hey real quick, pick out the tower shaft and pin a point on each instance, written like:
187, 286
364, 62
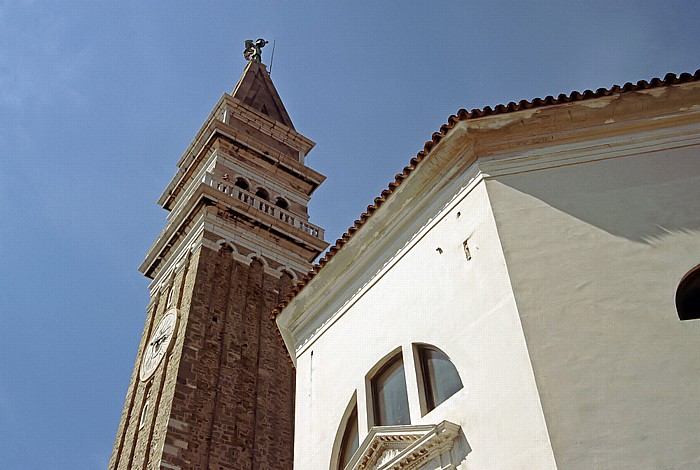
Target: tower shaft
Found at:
218, 391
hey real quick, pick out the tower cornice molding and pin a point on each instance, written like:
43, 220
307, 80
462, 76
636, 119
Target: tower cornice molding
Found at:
236, 168
274, 129
208, 223
205, 194
217, 125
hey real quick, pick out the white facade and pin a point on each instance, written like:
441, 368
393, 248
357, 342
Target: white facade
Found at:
540, 250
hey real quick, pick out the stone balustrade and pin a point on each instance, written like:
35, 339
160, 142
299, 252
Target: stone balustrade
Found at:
227, 187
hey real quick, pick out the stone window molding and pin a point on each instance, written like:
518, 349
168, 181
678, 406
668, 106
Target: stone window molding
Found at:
408, 447
392, 442
343, 447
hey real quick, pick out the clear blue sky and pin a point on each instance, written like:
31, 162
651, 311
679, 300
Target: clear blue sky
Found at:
98, 100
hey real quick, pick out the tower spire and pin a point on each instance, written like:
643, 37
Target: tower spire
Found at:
255, 89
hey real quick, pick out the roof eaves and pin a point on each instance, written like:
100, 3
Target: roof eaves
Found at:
452, 121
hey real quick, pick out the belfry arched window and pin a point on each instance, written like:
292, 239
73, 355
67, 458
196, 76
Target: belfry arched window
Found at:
389, 396
241, 183
282, 203
262, 194
439, 376
688, 295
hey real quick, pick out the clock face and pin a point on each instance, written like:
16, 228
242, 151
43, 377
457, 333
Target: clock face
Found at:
159, 344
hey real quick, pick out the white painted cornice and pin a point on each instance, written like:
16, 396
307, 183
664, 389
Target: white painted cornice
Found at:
605, 148
415, 207
626, 124
586, 127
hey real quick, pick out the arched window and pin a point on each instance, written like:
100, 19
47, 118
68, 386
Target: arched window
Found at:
351, 439
688, 295
440, 377
282, 203
262, 194
389, 397
241, 183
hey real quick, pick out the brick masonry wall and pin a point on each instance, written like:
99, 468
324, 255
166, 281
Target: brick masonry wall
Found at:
224, 397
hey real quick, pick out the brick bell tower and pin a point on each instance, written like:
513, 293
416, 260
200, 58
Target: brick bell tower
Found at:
212, 386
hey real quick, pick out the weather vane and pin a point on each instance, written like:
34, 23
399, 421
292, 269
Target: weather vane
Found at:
253, 50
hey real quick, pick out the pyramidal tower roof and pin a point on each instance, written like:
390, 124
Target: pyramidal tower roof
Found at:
255, 89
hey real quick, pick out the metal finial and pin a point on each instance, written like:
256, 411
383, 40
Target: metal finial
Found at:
253, 50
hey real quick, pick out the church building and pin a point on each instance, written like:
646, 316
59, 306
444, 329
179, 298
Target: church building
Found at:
524, 295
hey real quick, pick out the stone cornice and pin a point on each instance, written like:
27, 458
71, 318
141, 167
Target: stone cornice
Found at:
271, 184
207, 222
169, 235
215, 126
175, 261
218, 156
274, 129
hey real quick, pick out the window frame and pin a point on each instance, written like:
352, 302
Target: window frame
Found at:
339, 441
425, 393
372, 398
691, 277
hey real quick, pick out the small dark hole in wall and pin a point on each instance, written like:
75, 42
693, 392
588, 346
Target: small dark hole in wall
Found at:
214, 319
688, 295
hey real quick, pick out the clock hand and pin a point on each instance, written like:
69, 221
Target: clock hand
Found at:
159, 339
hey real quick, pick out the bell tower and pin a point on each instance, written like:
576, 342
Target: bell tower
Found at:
212, 386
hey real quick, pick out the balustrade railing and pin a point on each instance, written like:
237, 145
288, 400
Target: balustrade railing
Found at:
227, 187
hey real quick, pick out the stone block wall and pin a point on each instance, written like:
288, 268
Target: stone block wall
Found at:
224, 397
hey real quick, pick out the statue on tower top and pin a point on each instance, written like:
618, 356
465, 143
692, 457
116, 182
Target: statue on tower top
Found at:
253, 50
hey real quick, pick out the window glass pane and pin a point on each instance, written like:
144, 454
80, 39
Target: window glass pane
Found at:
389, 393
351, 440
439, 376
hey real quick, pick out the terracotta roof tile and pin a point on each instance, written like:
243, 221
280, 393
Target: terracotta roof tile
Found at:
462, 115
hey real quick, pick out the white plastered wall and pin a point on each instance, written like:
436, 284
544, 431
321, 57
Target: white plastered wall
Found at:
595, 252
465, 308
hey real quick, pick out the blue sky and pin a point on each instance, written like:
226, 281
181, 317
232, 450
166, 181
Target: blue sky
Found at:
98, 100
